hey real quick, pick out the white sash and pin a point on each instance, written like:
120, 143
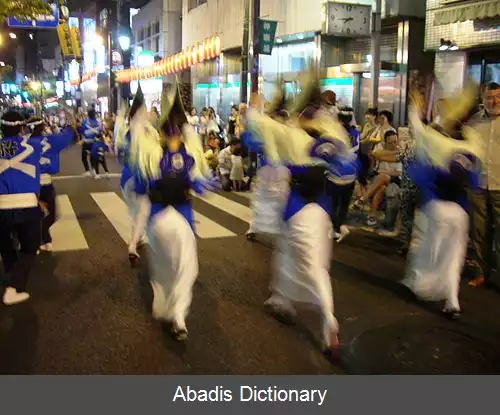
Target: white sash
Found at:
17, 163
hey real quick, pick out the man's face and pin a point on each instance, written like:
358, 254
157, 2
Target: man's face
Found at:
392, 142
493, 102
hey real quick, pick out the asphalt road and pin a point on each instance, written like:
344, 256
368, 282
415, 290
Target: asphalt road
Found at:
89, 312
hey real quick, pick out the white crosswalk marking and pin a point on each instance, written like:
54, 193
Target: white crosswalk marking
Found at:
207, 228
115, 210
235, 209
67, 235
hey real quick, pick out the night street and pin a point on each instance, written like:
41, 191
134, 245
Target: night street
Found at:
89, 311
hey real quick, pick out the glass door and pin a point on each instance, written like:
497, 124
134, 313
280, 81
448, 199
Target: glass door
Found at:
484, 66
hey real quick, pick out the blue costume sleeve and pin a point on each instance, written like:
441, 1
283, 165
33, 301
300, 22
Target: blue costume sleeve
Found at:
141, 186
253, 144
60, 141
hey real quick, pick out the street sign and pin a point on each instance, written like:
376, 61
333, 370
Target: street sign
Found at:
267, 34
49, 21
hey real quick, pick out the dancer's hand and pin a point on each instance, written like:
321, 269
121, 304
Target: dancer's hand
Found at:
44, 208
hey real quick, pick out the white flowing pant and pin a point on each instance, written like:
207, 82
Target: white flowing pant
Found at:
436, 262
271, 192
173, 265
302, 263
132, 202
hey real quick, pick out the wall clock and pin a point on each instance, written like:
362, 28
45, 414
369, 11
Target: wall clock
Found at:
348, 20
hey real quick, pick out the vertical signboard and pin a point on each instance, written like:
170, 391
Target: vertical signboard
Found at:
267, 34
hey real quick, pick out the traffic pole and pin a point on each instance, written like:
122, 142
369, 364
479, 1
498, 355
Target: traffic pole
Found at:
244, 53
255, 50
375, 50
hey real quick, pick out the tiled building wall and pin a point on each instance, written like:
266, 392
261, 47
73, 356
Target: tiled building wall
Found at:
356, 50
463, 33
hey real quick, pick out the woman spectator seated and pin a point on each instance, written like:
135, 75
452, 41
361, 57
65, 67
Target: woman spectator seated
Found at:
385, 174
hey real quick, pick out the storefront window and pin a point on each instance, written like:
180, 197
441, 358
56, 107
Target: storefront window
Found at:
343, 88
288, 58
475, 73
389, 87
492, 73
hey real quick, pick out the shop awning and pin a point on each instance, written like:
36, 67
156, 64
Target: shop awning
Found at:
470, 10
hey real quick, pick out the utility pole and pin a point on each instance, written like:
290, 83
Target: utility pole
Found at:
375, 50
124, 22
255, 52
244, 53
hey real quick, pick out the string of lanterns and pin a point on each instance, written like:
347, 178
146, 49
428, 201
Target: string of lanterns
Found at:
208, 49
86, 77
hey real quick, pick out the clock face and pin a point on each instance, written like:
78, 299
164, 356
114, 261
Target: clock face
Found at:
349, 19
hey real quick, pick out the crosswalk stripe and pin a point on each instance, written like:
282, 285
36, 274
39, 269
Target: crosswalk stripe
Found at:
115, 210
67, 235
226, 205
206, 228
110, 175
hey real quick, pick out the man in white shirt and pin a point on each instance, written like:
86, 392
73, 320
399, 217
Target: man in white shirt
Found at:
485, 229
225, 164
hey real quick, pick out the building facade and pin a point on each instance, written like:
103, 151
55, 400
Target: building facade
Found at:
302, 38
156, 32
464, 35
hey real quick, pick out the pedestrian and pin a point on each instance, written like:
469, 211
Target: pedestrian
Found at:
20, 213
165, 177
237, 173
225, 165
52, 145
90, 130
445, 170
485, 226
98, 157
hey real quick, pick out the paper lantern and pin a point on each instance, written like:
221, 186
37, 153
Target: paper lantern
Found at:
201, 52
212, 48
207, 49
194, 55
218, 46
177, 62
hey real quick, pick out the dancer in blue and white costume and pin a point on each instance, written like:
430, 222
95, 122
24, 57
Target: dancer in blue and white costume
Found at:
272, 181
166, 175
449, 159
20, 213
52, 145
311, 144
137, 115
90, 129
